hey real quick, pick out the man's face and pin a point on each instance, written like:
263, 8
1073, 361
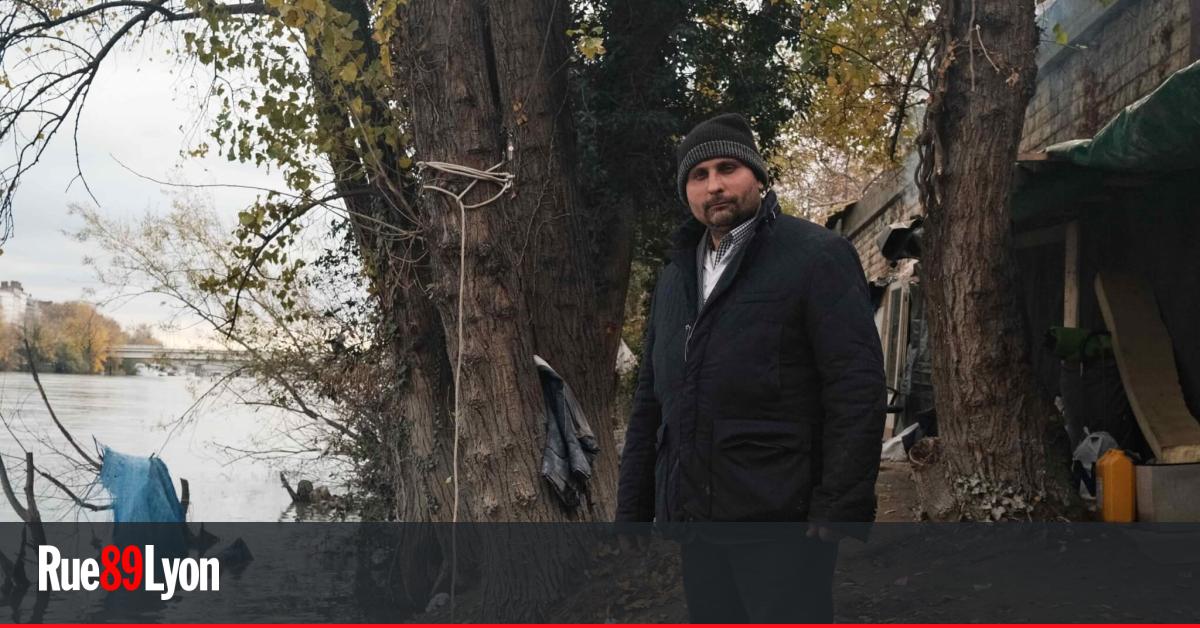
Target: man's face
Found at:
723, 193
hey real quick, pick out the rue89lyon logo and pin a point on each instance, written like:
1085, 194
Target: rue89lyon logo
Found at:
132, 568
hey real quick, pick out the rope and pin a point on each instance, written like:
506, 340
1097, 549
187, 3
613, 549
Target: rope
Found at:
505, 181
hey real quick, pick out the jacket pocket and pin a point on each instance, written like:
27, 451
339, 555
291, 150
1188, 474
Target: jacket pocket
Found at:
761, 470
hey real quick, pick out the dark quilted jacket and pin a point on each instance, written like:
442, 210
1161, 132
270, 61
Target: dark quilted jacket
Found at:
768, 403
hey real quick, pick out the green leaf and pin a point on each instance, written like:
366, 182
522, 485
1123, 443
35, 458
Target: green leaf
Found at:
1060, 35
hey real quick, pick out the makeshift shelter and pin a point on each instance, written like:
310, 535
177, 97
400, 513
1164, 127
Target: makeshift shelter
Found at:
1121, 204
1106, 230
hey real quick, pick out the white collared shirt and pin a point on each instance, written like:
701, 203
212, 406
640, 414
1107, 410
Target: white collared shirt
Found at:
711, 262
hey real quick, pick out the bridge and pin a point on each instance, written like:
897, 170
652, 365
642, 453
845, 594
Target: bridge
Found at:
167, 354
196, 361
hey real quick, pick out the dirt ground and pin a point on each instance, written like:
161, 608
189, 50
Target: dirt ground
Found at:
648, 588
896, 493
934, 572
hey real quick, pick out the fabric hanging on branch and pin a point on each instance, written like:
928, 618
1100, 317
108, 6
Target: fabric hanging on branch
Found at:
141, 489
570, 443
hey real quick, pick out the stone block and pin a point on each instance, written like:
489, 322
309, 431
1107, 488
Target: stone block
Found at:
1168, 493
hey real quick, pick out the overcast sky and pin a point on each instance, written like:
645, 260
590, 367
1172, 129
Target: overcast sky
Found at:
138, 112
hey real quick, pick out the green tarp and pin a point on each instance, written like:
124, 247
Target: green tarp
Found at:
1159, 133
1157, 137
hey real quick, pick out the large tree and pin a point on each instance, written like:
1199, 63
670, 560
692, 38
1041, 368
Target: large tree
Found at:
992, 420
491, 163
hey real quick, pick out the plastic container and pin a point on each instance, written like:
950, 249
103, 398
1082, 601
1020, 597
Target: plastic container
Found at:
1115, 486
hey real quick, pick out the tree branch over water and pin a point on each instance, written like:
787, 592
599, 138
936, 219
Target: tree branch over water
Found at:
54, 417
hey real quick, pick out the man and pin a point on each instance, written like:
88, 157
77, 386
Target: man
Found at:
761, 392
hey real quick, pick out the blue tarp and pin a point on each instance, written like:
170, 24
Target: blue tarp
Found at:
141, 489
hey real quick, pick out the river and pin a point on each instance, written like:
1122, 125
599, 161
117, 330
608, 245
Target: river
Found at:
137, 415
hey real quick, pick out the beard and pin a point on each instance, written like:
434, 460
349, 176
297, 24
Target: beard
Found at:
731, 212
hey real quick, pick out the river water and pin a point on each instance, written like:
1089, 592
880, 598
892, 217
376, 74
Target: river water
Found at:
137, 415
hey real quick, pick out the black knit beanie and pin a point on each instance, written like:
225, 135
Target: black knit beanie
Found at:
727, 135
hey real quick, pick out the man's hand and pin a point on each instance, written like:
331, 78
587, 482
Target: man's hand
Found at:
824, 533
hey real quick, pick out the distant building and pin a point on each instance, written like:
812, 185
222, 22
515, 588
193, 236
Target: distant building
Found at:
13, 302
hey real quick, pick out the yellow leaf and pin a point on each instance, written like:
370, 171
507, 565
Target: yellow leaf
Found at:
590, 47
837, 50
831, 81
385, 61
293, 18
349, 72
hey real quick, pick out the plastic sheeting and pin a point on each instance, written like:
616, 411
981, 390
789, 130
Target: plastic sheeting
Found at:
1158, 133
141, 489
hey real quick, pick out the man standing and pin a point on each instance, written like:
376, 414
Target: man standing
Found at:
761, 391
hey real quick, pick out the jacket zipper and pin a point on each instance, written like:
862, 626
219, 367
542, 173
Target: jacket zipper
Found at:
687, 328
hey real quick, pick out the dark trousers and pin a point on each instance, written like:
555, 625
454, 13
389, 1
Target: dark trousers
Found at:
777, 581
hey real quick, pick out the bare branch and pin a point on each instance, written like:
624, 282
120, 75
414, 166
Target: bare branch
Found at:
35, 517
37, 380
17, 507
79, 501
297, 212
24, 100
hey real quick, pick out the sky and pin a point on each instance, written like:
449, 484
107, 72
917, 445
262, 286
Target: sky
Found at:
140, 112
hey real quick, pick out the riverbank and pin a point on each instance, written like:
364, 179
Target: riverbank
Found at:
209, 440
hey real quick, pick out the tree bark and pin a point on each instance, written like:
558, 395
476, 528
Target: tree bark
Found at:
990, 415
536, 279
542, 275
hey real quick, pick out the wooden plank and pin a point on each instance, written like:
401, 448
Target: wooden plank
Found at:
1146, 361
1071, 276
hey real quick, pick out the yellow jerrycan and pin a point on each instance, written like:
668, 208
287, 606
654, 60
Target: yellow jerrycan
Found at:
1115, 487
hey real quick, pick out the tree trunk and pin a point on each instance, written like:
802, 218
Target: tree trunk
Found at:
990, 415
542, 275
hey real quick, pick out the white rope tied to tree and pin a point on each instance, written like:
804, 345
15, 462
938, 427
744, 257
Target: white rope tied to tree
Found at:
505, 181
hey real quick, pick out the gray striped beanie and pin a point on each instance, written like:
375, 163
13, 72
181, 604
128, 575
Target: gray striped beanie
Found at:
727, 135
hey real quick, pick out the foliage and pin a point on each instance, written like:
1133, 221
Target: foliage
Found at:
311, 88
72, 337
310, 352
309, 70
8, 345
142, 334
865, 116
830, 88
